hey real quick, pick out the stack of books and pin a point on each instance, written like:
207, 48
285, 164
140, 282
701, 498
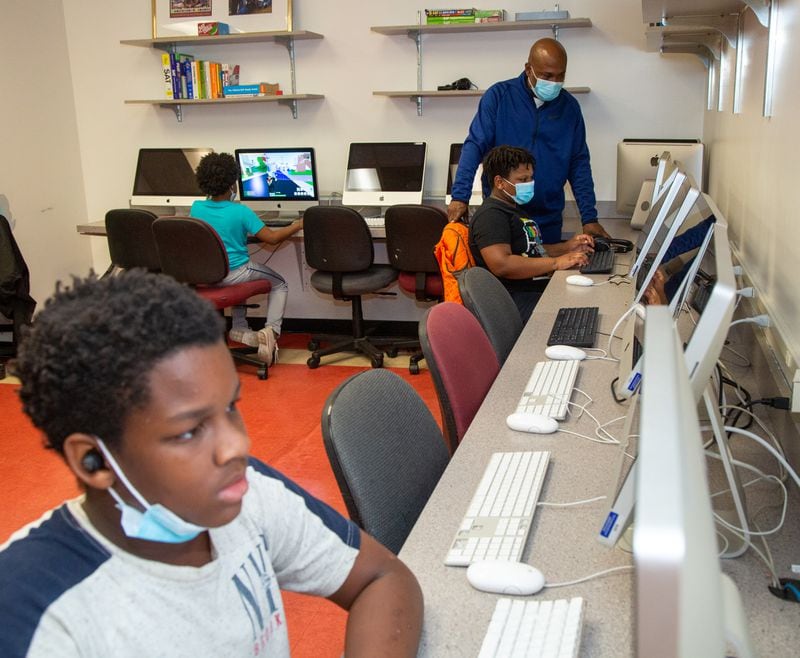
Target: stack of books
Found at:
190, 78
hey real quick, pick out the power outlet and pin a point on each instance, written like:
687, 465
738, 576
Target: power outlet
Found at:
796, 392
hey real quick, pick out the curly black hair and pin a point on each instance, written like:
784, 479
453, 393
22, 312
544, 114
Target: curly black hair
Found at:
216, 173
84, 364
502, 160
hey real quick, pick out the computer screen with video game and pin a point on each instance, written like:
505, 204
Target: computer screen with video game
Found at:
278, 179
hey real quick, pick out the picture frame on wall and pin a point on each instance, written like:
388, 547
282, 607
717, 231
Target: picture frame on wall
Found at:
180, 17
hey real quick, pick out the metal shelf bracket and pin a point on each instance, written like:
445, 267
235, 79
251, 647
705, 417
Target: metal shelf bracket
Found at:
727, 25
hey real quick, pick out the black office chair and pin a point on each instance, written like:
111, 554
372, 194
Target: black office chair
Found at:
386, 451
412, 231
130, 239
191, 251
490, 302
16, 303
338, 246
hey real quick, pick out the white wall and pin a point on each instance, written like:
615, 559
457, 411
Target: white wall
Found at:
754, 170
40, 164
633, 93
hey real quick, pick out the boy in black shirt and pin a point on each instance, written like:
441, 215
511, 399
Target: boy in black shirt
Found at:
507, 242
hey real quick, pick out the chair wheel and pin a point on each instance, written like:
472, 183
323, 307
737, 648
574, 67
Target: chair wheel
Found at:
377, 361
262, 373
391, 352
313, 362
413, 368
313, 345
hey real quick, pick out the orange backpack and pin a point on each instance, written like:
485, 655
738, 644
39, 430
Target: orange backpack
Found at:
453, 254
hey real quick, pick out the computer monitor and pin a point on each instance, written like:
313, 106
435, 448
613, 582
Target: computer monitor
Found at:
476, 198
637, 161
166, 177
660, 238
685, 605
708, 337
278, 179
384, 173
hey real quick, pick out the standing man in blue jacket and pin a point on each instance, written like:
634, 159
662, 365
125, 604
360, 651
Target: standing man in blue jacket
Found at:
533, 112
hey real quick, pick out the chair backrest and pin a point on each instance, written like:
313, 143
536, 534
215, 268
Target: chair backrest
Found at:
386, 451
130, 239
462, 362
489, 301
412, 231
190, 250
336, 239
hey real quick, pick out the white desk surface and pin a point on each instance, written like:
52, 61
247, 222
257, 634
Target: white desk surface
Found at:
562, 542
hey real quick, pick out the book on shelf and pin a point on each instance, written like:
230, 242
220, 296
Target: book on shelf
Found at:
166, 71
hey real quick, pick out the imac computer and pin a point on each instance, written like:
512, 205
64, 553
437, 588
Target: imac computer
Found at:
165, 177
637, 161
685, 606
681, 200
278, 179
476, 199
384, 173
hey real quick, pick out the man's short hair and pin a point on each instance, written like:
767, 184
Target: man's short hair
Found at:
85, 364
502, 160
216, 173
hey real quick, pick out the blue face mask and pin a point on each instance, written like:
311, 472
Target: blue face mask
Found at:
156, 523
523, 192
547, 90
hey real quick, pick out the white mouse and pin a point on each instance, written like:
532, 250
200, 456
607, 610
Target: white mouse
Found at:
579, 280
535, 423
565, 353
505, 577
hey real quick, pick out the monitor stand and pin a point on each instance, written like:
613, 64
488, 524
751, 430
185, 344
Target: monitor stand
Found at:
643, 204
738, 515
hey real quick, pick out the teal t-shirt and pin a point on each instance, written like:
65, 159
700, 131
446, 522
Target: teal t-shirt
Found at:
233, 222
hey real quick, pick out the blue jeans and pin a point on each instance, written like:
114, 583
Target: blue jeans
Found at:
276, 303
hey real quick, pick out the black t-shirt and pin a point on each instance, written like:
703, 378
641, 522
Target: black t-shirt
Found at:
496, 222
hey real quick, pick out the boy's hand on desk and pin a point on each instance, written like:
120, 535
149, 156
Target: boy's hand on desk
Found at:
571, 260
582, 243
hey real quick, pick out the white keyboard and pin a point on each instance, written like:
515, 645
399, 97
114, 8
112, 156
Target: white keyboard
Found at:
546, 629
500, 514
375, 222
549, 389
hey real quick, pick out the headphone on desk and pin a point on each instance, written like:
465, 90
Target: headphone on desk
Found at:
617, 245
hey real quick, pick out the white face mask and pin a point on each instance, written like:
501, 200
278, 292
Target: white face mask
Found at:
156, 523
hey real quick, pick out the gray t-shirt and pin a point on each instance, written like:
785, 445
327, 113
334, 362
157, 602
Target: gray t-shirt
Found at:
65, 590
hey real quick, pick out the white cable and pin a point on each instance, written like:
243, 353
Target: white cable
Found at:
616, 326
772, 437
603, 357
767, 563
594, 575
573, 504
761, 476
758, 439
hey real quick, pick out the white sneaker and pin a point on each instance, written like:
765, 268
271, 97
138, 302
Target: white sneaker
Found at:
244, 336
267, 346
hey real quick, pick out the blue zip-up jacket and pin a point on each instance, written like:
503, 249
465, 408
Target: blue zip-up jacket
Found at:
554, 133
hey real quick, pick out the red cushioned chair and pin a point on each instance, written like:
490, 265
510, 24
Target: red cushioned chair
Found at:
192, 252
412, 231
462, 362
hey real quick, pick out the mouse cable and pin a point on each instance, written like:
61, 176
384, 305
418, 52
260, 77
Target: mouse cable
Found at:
573, 504
628, 567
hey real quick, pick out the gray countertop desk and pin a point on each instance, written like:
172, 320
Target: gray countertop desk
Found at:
562, 542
